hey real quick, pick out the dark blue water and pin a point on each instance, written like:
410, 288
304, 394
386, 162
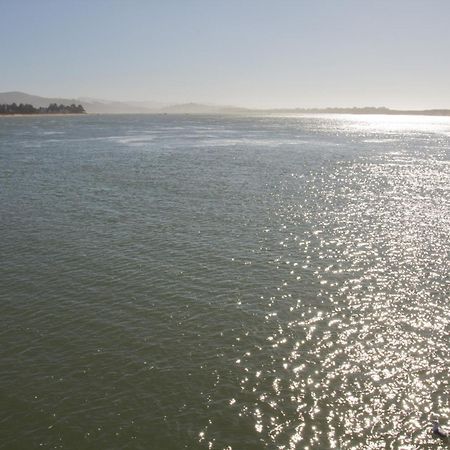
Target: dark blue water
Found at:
173, 282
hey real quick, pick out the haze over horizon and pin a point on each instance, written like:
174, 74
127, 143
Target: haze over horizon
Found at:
256, 54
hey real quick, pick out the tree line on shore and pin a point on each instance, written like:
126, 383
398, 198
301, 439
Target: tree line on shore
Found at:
53, 108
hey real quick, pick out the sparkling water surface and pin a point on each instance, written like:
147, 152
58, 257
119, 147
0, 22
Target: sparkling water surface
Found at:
175, 282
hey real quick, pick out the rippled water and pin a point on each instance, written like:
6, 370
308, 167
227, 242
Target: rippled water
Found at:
230, 283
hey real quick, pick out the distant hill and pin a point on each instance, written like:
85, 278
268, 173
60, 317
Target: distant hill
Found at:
98, 106
90, 105
146, 107
35, 100
106, 107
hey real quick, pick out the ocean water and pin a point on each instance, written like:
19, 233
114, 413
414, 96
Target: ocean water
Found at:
171, 282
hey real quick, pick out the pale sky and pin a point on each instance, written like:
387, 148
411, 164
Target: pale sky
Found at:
258, 53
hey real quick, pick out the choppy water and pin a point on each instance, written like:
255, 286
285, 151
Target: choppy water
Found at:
226, 283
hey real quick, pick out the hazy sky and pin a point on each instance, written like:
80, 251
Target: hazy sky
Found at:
242, 52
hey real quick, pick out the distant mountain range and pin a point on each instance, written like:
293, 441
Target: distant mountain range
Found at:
97, 106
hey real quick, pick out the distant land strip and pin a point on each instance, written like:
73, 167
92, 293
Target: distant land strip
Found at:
53, 108
365, 110
21, 103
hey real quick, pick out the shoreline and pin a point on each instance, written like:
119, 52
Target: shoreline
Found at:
237, 114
